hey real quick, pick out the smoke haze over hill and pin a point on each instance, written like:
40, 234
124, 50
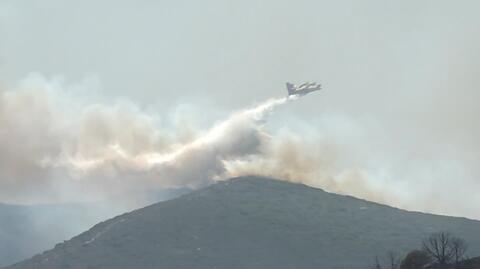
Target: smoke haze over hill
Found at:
109, 106
397, 122
58, 146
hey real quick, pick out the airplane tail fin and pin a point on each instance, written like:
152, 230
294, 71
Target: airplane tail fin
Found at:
290, 88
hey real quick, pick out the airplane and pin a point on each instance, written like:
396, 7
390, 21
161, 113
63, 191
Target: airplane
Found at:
303, 89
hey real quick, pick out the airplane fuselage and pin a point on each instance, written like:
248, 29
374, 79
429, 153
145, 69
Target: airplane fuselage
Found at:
303, 89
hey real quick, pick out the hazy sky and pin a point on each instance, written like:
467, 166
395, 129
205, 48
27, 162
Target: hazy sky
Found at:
400, 99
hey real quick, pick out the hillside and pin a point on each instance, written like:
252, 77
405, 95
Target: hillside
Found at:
26, 230
251, 223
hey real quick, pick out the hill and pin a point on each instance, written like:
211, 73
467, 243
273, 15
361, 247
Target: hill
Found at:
251, 222
28, 229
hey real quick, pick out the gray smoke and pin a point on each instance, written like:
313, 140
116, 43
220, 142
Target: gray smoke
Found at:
58, 146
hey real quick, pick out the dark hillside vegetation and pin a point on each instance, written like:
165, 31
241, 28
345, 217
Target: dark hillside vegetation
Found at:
251, 222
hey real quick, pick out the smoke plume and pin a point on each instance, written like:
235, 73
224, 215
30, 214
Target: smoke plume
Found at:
54, 146
58, 146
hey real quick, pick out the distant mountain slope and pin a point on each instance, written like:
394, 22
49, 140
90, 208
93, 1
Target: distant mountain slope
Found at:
26, 230
251, 223
20, 225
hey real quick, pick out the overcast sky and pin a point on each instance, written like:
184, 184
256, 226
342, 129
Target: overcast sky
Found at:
400, 78
375, 57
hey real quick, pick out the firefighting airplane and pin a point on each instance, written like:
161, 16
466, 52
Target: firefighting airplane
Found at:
303, 89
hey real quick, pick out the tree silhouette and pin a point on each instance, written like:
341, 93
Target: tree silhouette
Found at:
438, 247
445, 249
459, 248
